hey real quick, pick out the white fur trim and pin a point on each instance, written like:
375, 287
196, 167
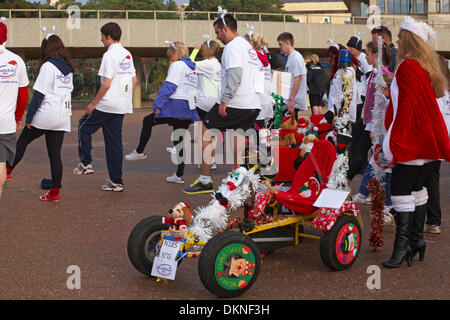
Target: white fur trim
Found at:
403, 203
419, 28
421, 197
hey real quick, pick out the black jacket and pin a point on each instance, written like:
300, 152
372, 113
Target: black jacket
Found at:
316, 79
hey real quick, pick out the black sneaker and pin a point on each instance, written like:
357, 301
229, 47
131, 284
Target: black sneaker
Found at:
197, 187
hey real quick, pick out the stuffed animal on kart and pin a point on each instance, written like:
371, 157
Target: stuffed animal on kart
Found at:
288, 131
307, 144
302, 125
181, 217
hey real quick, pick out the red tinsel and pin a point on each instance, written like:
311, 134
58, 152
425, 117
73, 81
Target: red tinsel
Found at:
377, 199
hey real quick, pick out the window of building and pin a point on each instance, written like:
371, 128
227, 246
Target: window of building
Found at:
420, 6
438, 6
364, 10
380, 4
446, 6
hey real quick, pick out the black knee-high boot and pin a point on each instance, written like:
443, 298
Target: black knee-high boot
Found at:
415, 232
402, 250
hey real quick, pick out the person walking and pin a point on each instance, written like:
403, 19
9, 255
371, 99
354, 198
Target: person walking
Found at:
416, 136
50, 109
13, 102
239, 104
316, 84
172, 106
107, 110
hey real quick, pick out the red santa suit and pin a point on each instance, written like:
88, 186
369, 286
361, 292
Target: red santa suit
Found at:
416, 131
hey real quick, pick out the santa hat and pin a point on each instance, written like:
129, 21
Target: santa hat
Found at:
419, 28
184, 204
302, 123
356, 42
315, 120
3, 31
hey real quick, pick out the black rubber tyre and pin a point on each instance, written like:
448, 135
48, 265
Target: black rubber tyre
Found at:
223, 257
340, 246
142, 243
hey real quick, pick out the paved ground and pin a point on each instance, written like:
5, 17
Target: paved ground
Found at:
90, 228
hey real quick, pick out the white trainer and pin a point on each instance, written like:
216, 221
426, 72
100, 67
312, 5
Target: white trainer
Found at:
134, 155
83, 169
361, 199
111, 186
175, 179
171, 149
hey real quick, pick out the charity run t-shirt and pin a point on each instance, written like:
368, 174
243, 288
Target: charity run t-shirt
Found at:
13, 75
184, 78
296, 66
208, 71
239, 54
56, 108
117, 65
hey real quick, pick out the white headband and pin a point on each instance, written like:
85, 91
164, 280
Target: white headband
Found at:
332, 44
250, 30
206, 37
419, 28
170, 43
222, 12
44, 30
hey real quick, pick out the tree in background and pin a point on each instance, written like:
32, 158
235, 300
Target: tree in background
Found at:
267, 6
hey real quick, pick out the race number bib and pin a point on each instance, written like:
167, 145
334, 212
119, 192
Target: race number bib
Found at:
165, 264
193, 99
259, 82
66, 107
126, 86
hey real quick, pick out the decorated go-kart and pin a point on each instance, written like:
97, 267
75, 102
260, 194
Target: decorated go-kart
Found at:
230, 249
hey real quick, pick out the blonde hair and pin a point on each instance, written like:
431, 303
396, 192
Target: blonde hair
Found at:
414, 47
210, 51
179, 48
257, 41
315, 58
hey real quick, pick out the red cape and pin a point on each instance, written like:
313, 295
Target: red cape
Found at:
418, 130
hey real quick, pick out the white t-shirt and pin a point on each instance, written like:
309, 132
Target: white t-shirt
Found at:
239, 54
365, 67
13, 75
117, 65
56, 108
184, 78
208, 71
266, 99
444, 105
297, 67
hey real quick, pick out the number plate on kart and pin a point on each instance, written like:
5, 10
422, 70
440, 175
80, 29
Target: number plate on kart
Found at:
165, 264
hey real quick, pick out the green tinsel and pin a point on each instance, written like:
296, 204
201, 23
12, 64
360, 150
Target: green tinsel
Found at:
278, 110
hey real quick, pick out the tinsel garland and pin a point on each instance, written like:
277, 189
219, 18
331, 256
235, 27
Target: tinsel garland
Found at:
375, 186
278, 111
377, 195
338, 177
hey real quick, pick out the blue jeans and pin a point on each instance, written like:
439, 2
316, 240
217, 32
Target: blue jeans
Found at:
365, 181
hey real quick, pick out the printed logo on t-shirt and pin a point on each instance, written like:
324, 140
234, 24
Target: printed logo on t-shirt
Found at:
252, 54
8, 70
64, 79
125, 64
191, 77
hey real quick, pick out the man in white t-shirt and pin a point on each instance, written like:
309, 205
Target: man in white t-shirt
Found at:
13, 101
239, 104
297, 67
107, 110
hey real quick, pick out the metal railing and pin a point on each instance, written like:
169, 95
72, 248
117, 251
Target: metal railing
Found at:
202, 15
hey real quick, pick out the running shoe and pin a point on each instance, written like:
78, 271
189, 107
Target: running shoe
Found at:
432, 229
49, 197
198, 188
8, 177
361, 199
111, 186
175, 179
134, 155
83, 169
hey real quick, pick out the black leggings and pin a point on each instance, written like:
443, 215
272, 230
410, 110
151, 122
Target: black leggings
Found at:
147, 125
53, 140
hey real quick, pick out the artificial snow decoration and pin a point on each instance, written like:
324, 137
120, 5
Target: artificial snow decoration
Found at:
234, 191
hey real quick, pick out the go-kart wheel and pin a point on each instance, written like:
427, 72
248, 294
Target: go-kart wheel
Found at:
340, 246
229, 264
142, 243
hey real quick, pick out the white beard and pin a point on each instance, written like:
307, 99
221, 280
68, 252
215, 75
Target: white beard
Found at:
2, 48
